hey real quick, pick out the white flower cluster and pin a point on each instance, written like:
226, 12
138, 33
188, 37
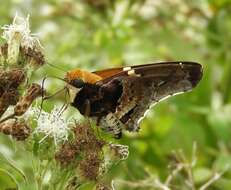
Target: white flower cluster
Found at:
51, 124
20, 29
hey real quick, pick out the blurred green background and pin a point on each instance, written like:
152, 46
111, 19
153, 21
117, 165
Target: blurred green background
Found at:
98, 34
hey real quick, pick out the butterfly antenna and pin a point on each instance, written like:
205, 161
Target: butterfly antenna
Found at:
56, 67
56, 93
44, 97
66, 104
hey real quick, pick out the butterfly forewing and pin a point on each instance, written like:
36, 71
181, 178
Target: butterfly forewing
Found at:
157, 69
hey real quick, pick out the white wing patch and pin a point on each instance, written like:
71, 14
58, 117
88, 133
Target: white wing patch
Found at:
133, 73
127, 68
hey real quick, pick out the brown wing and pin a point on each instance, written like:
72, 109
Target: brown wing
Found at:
155, 69
145, 85
108, 72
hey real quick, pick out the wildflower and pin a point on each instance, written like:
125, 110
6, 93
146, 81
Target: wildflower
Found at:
51, 124
23, 47
20, 30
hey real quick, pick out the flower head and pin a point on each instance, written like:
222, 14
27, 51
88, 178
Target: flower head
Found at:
20, 29
51, 124
20, 42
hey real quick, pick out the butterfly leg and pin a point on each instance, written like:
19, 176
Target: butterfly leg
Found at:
87, 107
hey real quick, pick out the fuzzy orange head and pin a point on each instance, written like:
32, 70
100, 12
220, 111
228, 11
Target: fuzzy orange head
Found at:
86, 76
77, 78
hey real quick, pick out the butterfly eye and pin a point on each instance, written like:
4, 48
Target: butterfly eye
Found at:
78, 83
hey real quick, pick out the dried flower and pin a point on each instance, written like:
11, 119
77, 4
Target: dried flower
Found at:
51, 124
86, 138
3, 53
11, 79
9, 97
18, 129
66, 154
90, 166
85, 152
25, 102
33, 56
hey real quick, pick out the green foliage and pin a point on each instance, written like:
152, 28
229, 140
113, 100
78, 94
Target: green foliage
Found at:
100, 34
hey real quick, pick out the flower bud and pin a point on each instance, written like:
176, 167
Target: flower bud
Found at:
24, 103
11, 79
3, 54
24, 48
9, 97
14, 48
17, 129
33, 57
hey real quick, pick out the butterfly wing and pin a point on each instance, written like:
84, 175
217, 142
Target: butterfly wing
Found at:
107, 73
157, 69
145, 85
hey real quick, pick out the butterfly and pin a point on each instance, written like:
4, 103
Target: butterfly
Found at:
118, 98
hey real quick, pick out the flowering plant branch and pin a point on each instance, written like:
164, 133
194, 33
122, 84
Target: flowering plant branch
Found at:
71, 149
